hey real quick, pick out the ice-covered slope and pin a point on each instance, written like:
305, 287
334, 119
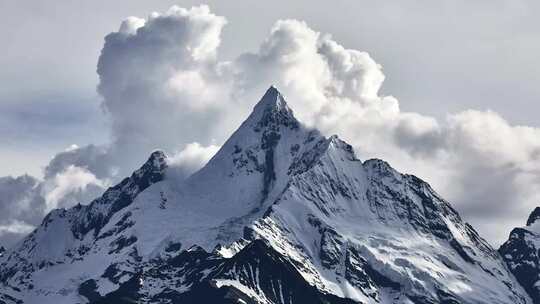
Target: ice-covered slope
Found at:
521, 253
280, 214
236, 186
370, 233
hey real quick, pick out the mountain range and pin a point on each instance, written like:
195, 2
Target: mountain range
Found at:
280, 215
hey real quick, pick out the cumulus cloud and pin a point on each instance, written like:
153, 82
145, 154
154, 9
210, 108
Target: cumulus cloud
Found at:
495, 169
21, 207
160, 81
322, 79
164, 87
24, 200
95, 158
190, 159
73, 185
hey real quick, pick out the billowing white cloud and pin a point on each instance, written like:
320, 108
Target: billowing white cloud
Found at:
160, 81
164, 87
489, 138
190, 159
495, 169
323, 80
96, 159
71, 186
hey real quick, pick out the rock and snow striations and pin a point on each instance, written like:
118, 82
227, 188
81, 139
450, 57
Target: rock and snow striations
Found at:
279, 215
521, 253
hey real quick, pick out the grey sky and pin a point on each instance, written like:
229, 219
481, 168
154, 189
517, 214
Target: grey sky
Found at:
439, 58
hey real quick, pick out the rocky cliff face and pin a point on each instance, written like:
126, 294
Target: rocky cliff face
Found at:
521, 253
281, 214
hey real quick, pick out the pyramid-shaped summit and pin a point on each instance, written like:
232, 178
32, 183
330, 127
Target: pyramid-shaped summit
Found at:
271, 112
281, 214
272, 98
273, 101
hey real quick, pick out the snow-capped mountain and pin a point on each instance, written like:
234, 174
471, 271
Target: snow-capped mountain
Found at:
281, 214
521, 253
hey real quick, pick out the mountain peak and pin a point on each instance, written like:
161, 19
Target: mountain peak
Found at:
271, 98
272, 111
157, 162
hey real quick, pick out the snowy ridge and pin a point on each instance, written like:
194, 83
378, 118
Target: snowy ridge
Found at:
65, 236
280, 214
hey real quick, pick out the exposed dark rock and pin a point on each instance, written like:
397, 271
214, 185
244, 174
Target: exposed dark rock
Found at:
269, 274
533, 216
523, 259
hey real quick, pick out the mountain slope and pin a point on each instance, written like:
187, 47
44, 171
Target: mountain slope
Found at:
51, 254
372, 234
280, 214
521, 253
256, 274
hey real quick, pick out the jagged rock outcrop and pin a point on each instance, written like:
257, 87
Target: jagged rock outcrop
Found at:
521, 253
